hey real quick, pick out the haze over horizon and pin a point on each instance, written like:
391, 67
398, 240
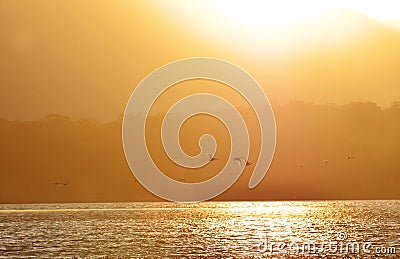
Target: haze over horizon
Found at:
359, 141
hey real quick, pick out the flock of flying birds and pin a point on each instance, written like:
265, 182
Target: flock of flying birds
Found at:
326, 161
240, 160
245, 162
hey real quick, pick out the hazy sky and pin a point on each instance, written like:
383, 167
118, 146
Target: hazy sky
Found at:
83, 59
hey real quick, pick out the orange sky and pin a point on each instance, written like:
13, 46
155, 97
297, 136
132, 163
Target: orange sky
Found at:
83, 59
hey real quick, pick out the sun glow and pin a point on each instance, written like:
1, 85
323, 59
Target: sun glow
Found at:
251, 25
274, 26
269, 14
383, 10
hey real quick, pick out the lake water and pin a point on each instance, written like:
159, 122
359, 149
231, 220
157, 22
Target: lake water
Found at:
202, 230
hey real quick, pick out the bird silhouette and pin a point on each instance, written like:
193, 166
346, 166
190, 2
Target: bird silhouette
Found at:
243, 161
249, 163
64, 184
212, 158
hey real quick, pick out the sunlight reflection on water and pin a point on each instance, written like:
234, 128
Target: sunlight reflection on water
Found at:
209, 229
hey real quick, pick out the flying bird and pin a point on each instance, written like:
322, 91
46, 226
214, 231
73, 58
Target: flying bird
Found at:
242, 161
212, 158
64, 184
249, 163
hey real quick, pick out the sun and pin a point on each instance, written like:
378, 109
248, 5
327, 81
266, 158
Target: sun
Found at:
253, 15
253, 25
267, 13
274, 27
